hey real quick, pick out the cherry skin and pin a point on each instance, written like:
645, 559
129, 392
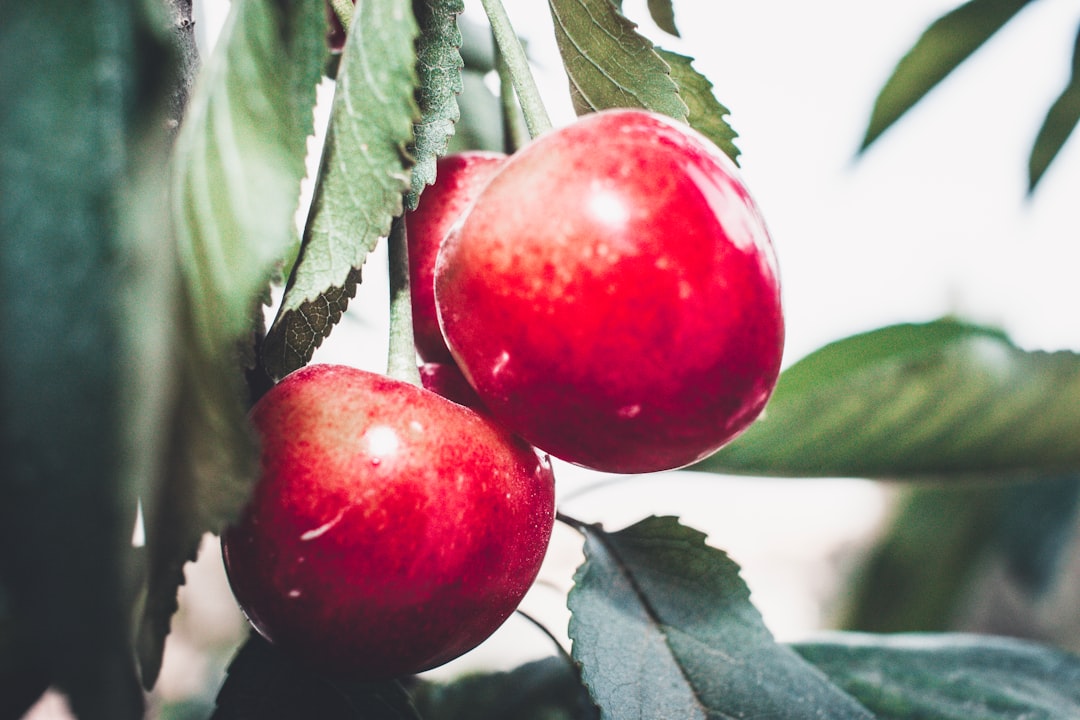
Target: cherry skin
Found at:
613, 295
391, 530
446, 379
458, 179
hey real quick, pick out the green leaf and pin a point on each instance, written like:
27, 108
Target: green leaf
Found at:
1060, 121
662, 626
916, 575
943, 400
951, 677
706, 114
609, 64
948, 41
85, 312
922, 571
266, 684
438, 67
365, 172
547, 689
664, 16
481, 125
238, 163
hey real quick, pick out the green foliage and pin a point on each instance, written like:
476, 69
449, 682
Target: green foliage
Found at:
547, 689
238, 163
919, 573
609, 64
950, 677
1060, 121
915, 576
943, 399
438, 67
705, 113
265, 684
656, 609
127, 333
663, 14
85, 300
360, 187
948, 41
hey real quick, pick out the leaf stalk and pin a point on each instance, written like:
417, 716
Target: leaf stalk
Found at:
401, 354
532, 105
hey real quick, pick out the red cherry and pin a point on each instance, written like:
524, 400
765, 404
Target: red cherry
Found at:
335, 30
613, 295
458, 179
446, 379
391, 530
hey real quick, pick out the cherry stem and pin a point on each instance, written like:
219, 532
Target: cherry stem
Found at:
580, 525
517, 64
401, 354
513, 138
551, 636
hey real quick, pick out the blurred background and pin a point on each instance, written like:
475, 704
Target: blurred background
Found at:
933, 219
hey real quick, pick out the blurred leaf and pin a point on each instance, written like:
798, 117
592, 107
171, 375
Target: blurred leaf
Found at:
480, 126
657, 610
920, 575
664, 16
1058, 125
916, 576
438, 66
265, 684
547, 689
364, 174
1037, 525
948, 41
938, 400
706, 114
477, 46
950, 677
238, 163
662, 13
85, 297
609, 64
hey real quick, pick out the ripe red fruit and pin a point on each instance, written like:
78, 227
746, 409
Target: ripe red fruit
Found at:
391, 530
458, 179
613, 295
446, 379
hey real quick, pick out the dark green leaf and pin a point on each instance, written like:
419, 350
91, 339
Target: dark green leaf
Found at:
919, 572
948, 41
365, 172
265, 684
706, 114
239, 160
85, 303
943, 399
1058, 125
951, 677
547, 689
1036, 530
609, 64
662, 626
438, 69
